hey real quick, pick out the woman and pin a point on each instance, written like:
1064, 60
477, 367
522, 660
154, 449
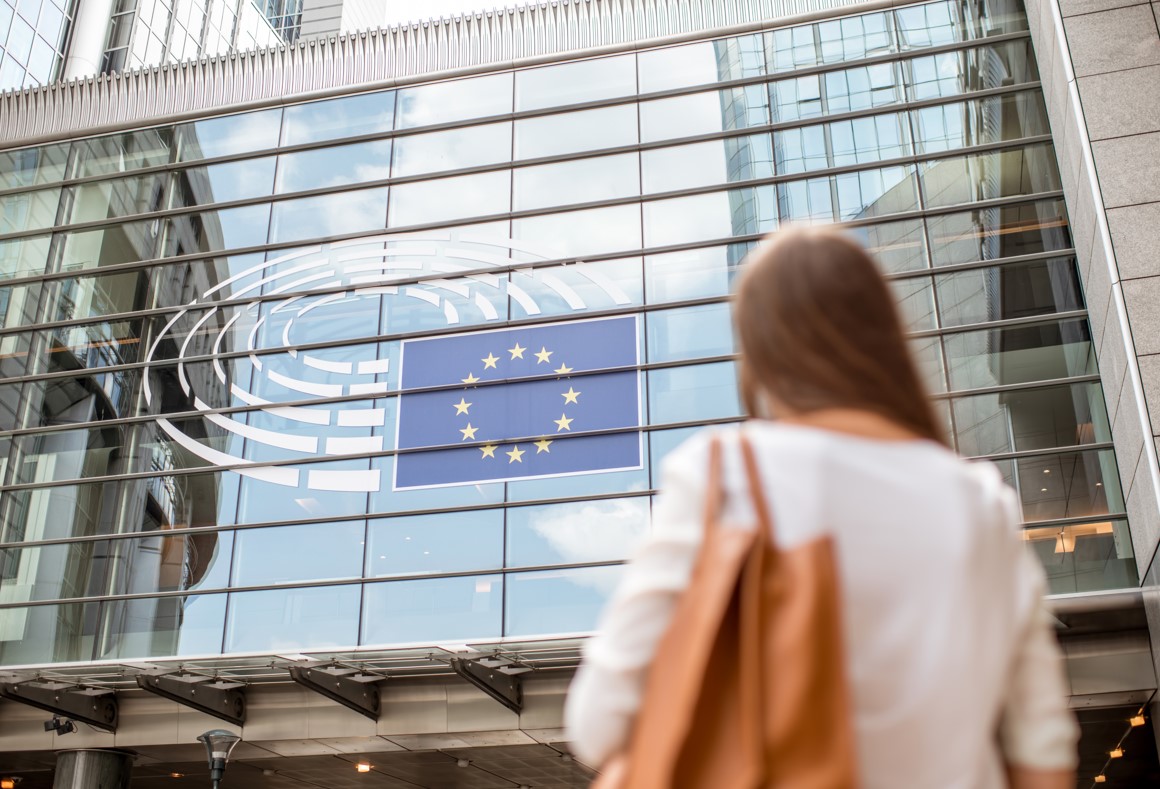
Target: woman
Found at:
954, 671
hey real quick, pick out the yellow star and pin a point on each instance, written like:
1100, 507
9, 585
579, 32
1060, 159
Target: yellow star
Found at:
489, 451
570, 396
490, 360
563, 370
468, 432
462, 406
516, 455
543, 355
517, 352
563, 423
470, 379
542, 446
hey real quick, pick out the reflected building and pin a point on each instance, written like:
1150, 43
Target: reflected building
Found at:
379, 385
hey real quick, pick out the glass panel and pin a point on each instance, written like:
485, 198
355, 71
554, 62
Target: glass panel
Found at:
806, 201
33, 166
693, 273
896, 246
329, 214
707, 163
1070, 485
588, 181
695, 393
47, 633
998, 232
980, 121
162, 627
1030, 419
576, 532
1086, 558
108, 246
1015, 290
228, 135
22, 257
986, 176
715, 215
573, 132
326, 167
220, 183
93, 202
348, 116
211, 231
276, 555
701, 63
119, 153
963, 71
1019, 354
575, 83
490, 143
28, 210
704, 113
282, 620
933, 24
433, 610
915, 299
855, 37
428, 544
557, 601
447, 199
690, 333
462, 99
577, 233
869, 193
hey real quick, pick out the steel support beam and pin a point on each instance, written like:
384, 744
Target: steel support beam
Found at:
349, 687
220, 699
94, 706
504, 688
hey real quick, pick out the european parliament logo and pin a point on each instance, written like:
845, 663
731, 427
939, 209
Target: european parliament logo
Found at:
519, 403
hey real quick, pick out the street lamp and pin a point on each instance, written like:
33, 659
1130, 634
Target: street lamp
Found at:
219, 743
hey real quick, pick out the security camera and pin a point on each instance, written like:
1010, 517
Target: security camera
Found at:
60, 726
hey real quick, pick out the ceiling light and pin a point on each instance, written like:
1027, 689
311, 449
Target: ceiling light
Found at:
1101, 778
177, 775
9, 783
1099, 484
1043, 490
1116, 753
1137, 720
462, 763
363, 767
1046, 471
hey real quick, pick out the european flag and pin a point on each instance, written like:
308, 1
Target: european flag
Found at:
517, 398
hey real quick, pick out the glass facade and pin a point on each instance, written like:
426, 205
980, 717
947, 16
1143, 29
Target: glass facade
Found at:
288, 379
152, 32
33, 35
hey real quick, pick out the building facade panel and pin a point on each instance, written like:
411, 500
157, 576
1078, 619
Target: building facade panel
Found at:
213, 327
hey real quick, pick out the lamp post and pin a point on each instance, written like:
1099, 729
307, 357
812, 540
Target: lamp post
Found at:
219, 743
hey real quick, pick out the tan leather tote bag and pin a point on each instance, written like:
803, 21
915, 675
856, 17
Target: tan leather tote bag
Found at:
748, 687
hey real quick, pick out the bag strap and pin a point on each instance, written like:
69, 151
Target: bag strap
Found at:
714, 490
756, 488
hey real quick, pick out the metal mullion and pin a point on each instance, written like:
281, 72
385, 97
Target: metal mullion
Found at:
898, 55
823, 120
411, 229
337, 518
445, 331
316, 584
551, 263
318, 460
390, 394
1023, 385
1033, 453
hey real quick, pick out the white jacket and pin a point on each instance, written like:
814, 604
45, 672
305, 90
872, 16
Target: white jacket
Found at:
950, 655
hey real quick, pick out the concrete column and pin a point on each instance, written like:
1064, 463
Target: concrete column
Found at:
90, 28
92, 769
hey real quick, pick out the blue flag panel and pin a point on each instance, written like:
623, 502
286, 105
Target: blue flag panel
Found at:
519, 428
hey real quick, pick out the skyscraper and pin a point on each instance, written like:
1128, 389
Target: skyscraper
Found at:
335, 377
